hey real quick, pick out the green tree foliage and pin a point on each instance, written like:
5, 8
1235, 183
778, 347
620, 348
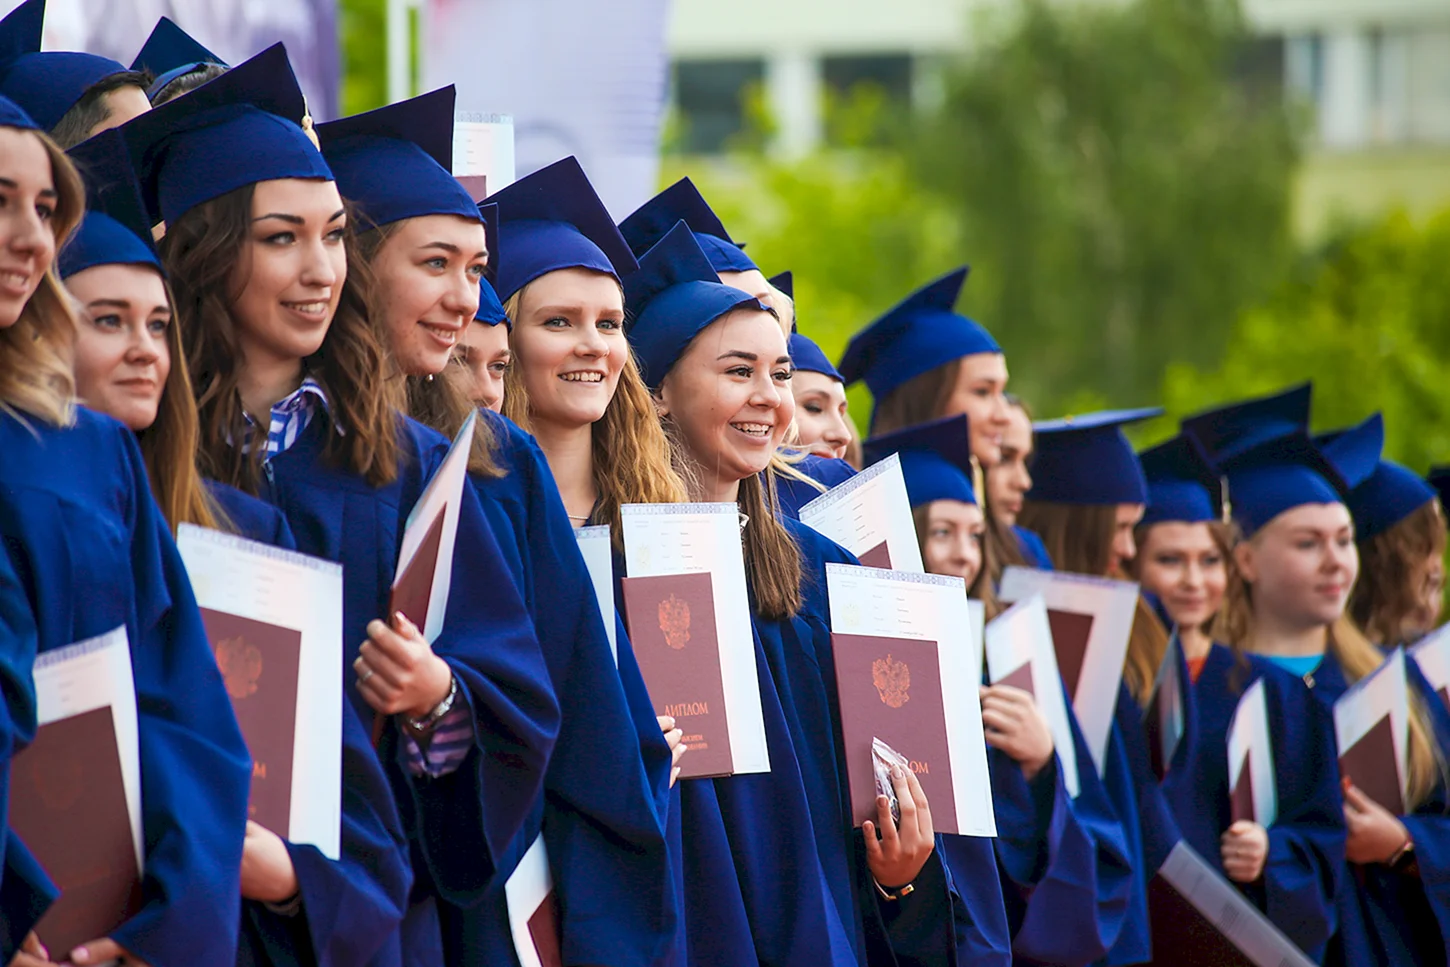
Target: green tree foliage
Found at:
1368, 319
363, 30
1124, 194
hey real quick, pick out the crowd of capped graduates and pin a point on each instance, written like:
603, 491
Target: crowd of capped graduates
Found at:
214, 312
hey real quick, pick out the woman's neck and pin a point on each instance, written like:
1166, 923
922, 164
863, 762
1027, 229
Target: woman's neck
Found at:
712, 489
262, 383
570, 452
1195, 641
1273, 637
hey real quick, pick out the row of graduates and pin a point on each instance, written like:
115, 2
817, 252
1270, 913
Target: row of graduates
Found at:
307, 298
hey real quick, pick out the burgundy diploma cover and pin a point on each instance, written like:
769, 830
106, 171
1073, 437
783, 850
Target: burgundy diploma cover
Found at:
1241, 794
890, 689
68, 803
1020, 678
1372, 765
544, 931
878, 556
671, 621
413, 589
1183, 937
1070, 632
259, 663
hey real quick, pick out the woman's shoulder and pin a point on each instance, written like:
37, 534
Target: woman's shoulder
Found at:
828, 470
816, 548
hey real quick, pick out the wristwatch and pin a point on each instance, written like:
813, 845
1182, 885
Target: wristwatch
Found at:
427, 722
1402, 858
894, 894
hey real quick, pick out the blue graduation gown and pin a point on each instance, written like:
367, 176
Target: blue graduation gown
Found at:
1032, 548
1065, 867
254, 519
352, 907
1387, 917
607, 785
92, 552
1306, 843
458, 825
17, 728
795, 494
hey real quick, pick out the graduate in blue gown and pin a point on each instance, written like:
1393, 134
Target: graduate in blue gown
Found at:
675, 297
602, 808
346, 469
1061, 855
1008, 483
91, 552
175, 61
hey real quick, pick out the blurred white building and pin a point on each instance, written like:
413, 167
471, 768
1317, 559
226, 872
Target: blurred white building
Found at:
1377, 73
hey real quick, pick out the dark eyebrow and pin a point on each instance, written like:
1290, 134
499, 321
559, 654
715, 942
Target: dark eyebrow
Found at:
297, 219
783, 361
454, 249
124, 304
739, 354
45, 192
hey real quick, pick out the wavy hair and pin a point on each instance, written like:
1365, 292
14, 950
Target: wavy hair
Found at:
201, 251
1385, 596
36, 377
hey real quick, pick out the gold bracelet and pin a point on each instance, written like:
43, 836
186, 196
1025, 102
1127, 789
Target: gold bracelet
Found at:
892, 897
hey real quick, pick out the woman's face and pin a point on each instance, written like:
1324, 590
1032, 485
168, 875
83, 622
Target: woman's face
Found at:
954, 534
1008, 481
569, 339
1428, 580
484, 352
427, 274
289, 278
1182, 564
28, 201
1302, 565
121, 354
979, 393
729, 395
1124, 549
822, 425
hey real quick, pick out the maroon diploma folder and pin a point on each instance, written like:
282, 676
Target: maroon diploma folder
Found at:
1241, 794
1070, 632
413, 589
68, 803
259, 663
878, 556
1373, 766
890, 689
1021, 678
544, 931
671, 621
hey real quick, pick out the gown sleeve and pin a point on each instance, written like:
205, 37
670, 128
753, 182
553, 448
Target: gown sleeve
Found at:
22, 906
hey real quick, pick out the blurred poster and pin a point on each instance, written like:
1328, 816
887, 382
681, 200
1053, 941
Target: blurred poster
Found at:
579, 77
234, 29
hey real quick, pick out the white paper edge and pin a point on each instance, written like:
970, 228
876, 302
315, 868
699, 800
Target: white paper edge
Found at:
1389, 686
527, 887
1432, 654
1250, 735
879, 489
598, 552
444, 493
1168, 677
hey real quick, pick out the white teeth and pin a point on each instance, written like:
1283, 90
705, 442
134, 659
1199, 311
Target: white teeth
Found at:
582, 377
754, 429
16, 278
309, 308
448, 335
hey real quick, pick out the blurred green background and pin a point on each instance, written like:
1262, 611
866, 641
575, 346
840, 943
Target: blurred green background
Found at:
1130, 191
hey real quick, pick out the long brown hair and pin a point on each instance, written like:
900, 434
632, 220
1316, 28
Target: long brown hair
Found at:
632, 459
441, 400
201, 251
983, 587
1006, 548
1358, 658
35, 364
1385, 595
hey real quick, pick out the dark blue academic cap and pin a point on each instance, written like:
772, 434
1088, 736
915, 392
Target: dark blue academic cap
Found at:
1281, 473
1087, 460
936, 459
553, 219
682, 201
806, 355
45, 83
674, 295
169, 53
1438, 477
12, 115
396, 162
490, 308
116, 229
1238, 426
785, 282
919, 334
237, 130
1389, 492
1183, 486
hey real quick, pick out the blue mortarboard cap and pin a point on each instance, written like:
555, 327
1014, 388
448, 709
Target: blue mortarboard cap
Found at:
45, 83
12, 115
553, 219
116, 229
1087, 459
682, 201
1279, 474
1238, 426
806, 355
490, 309
936, 459
237, 130
785, 282
1183, 486
673, 296
919, 334
1388, 492
396, 162
1438, 477
169, 53
488, 213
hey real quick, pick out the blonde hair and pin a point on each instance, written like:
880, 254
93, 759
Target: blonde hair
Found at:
36, 375
633, 462
1358, 657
